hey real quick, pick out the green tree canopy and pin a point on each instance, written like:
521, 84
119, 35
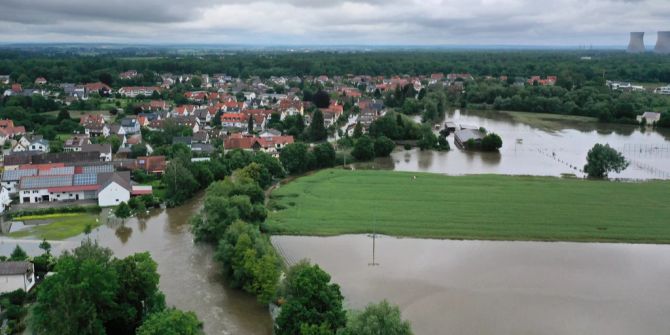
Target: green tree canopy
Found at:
171, 322
381, 318
317, 129
603, 159
311, 299
364, 149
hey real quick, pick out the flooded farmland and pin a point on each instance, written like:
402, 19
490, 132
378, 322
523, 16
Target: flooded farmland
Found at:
533, 146
485, 287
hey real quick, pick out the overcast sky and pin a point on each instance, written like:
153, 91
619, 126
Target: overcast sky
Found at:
326, 22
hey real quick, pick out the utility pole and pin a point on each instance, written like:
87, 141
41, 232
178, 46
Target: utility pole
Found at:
374, 238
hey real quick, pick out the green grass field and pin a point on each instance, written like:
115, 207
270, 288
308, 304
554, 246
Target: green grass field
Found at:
488, 207
63, 226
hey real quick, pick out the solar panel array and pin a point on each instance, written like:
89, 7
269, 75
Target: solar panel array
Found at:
9, 175
45, 182
85, 179
97, 169
66, 170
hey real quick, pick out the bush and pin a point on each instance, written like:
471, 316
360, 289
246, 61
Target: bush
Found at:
364, 149
491, 142
383, 146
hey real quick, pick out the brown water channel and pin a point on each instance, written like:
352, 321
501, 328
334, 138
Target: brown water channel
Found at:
190, 278
541, 148
486, 287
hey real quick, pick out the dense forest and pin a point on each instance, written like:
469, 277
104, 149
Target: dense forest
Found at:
611, 65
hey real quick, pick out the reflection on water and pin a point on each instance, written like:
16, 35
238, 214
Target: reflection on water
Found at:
541, 147
190, 278
484, 287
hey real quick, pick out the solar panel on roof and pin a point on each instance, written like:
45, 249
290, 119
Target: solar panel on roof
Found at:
58, 171
97, 169
85, 179
45, 182
9, 175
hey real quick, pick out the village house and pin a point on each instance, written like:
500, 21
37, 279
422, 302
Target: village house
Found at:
549, 81
649, 117
233, 120
40, 81
5, 200
290, 107
69, 183
152, 164
101, 88
272, 144
331, 114
4, 79
461, 136
35, 143
76, 142
134, 91
16, 276
9, 131
130, 74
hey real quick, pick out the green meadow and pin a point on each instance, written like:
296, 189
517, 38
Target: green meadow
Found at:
487, 207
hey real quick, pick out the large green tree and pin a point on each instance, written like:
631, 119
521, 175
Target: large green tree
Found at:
180, 184
364, 149
171, 322
381, 318
603, 159
296, 158
324, 155
311, 300
317, 130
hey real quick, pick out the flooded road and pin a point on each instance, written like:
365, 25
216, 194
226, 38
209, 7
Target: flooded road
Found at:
190, 278
538, 147
485, 287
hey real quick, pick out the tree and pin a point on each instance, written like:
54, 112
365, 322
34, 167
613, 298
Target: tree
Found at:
250, 124
603, 159
358, 130
442, 143
317, 129
311, 299
321, 99
106, 78
381, 318
18, 254
296, 158
180, 184
138, 150
122, 211
324, 155
56, 146
491, 142
196, 82
383, 146
46, 246
171, 322
63, 114
79, 297
138, 292
364, 149
428, 139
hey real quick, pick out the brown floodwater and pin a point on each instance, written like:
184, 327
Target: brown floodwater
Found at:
190, 278
540, 148
487, 287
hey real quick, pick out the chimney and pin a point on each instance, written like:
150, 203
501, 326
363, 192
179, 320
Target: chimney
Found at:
663, 43
636, 44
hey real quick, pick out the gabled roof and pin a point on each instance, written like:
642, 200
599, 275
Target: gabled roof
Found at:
15, 268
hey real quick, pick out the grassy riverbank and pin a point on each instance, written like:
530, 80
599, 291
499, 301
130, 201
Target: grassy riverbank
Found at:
490, 207
55, 226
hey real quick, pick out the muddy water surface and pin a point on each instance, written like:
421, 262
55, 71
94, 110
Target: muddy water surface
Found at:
482, 287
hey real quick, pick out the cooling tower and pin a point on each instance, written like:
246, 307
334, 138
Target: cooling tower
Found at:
636, 44
663, 43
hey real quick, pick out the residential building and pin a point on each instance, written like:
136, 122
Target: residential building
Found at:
271, 145
152, 164
5, 200
462, 136
134, 91
130, 74
16, 276
649, 117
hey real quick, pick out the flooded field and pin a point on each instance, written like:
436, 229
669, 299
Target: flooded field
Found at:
535, 146
483, 287
190, 278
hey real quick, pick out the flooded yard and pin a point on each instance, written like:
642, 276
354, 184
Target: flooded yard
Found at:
485, 287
